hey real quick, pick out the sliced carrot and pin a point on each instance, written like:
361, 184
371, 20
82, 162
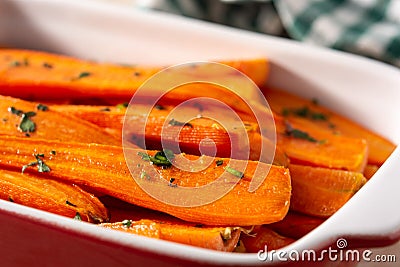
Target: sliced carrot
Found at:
264, 239
320, 191
142, 227
216, 238
296, 225
190, 136
43, 76
370, 170
294, 106
27, 119
103, 169
52, 196
306, 144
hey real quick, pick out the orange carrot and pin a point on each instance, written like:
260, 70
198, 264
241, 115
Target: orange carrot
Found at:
264, 237
142, 227
216, 238
103, 169
27, 119
290, 105
43, 76
189, 137
296, 225
321, 192
306, 144
370, 170
52, 196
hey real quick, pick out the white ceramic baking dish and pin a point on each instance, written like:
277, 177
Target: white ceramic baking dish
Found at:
361, 89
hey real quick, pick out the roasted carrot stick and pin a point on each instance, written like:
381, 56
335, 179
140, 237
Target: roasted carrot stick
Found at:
103, 169
290, 105
320, 191
262, 238
216, 238
43, 76
52, 196
296, 225
306, 144
170, 228
189, 137
33, 120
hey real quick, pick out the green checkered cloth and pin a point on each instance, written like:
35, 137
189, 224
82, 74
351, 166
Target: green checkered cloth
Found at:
366, 27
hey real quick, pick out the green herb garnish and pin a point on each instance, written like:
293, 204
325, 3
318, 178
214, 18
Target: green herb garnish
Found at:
42, 167
69, 203
234, 172
161, 158
77, 217
159, 107
47, 65
42, 107
15, 111
219, 162
144, 155
15, 63
81, 75
318, 116
84, 74
144, 174
301, 135
26, 125
174, 122
304, 112
290, 131
122, 105
126, 223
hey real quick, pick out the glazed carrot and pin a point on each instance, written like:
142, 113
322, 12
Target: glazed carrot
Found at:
103, 169
142, 227
216, 238
27, 119
189, 137
294, 106
370, 170
320, 191
170, 228
264, 237
306, 144
52, 196
43, 76
296, 225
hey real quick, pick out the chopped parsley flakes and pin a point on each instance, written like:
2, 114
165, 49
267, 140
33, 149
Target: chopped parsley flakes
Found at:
26, 125
174, 122
305, 112
41, 166
161, 158
78, 216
